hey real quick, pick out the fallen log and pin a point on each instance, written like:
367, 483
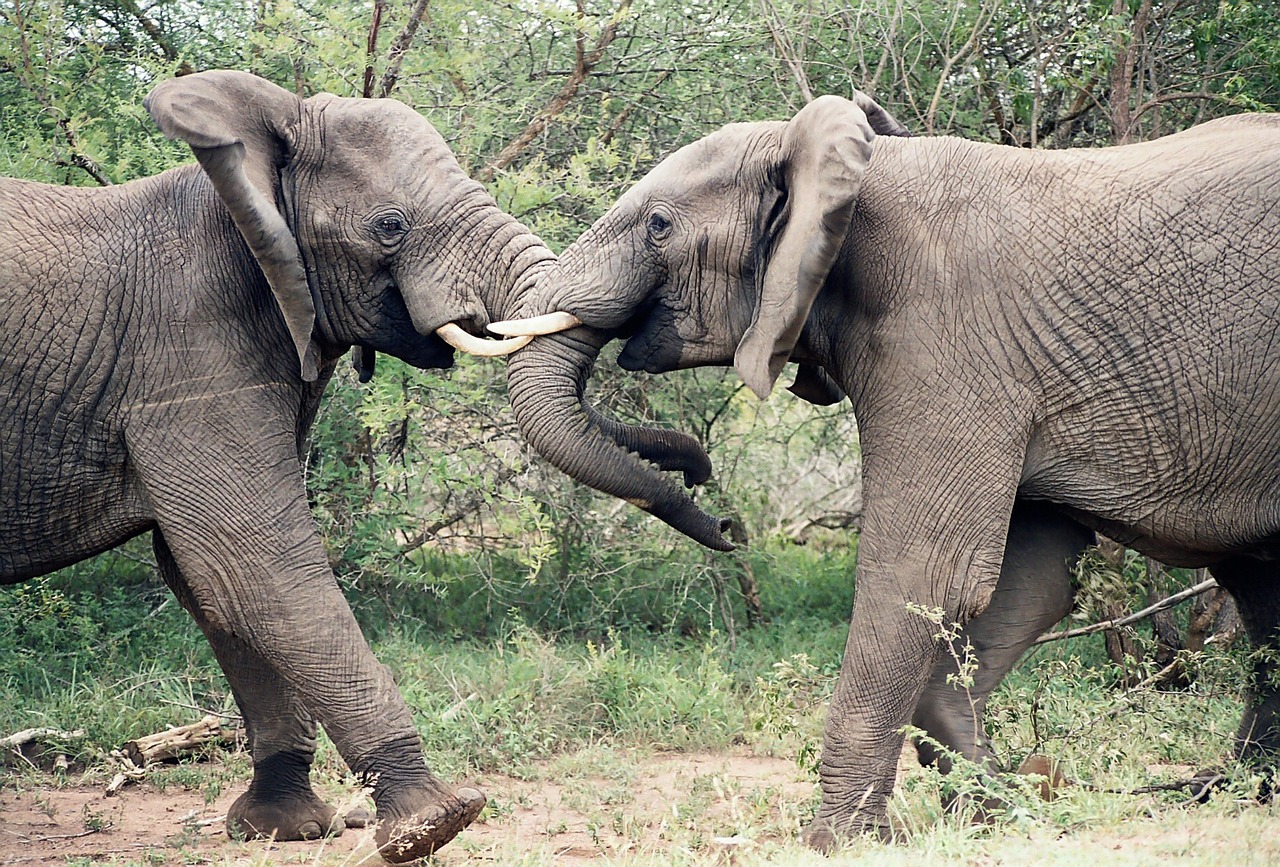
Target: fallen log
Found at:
26, 736
174, 742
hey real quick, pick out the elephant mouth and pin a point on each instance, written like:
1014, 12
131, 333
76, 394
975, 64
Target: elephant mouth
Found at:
639, 329
426, 352
648, 346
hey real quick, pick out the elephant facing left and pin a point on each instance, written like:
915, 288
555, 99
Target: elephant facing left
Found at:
163, 348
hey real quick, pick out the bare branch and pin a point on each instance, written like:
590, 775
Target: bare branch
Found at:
1202, 587
26, 736
371, 47
1165, 98
586, 61
155, 34
986, 12
792, 58
469, 505
400, 46
623, 115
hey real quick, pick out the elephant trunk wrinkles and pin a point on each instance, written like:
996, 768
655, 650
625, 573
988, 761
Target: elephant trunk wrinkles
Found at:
515, 257
546, 381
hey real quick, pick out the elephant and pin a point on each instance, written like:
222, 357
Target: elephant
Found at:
1037, 346
164, 345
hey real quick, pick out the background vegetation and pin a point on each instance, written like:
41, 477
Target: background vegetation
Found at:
556, 616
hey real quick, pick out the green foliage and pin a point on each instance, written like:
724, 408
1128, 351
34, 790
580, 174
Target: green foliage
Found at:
101, 647
428, 501
525, 616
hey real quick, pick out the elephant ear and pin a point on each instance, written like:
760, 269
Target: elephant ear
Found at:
824, 154
238, 125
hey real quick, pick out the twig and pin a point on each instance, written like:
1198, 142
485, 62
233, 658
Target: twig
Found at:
792, 58
607, 135
401, 45
585, 62
1116, 623
458, 707
468, 506
204, 710
84, 833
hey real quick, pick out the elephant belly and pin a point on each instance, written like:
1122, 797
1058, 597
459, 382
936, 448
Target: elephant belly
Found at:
1179, 507
46, 526
63, 498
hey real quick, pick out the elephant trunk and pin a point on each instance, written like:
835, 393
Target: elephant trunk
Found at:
476, 273
546, 381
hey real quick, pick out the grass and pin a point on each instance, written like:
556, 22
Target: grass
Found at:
591, 720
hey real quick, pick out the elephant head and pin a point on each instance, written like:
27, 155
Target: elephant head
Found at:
367, 229
715, 257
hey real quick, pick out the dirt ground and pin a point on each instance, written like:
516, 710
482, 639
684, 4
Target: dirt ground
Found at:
674, 800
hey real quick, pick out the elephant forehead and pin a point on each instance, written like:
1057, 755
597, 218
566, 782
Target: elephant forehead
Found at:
717, 162
379, 141
377, 128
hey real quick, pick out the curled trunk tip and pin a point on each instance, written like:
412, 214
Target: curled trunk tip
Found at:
546, 381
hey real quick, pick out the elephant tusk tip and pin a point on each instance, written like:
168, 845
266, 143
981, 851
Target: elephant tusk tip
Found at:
547, 323
452, 334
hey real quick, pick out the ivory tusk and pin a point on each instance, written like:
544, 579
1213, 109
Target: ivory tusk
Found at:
452, 334
547, 323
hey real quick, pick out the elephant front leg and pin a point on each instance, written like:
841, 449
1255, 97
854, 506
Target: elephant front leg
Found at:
937, 507
280, 803
417, 813
245, 545
872, 703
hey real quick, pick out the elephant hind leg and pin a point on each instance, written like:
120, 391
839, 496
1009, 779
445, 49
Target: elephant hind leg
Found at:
280, 802
1255, 586
1034, 592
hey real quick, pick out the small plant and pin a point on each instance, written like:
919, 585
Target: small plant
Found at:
44, 803
94, 820
963, 655
787, 700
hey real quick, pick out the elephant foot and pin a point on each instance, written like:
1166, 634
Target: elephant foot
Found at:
415, 828
300, 817
830, 834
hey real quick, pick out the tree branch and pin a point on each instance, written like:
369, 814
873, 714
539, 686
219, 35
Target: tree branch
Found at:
155, 34
468, 505
401, 45
623, 115
1158, 101
585, 62
1116, 623
371, 47
777, 31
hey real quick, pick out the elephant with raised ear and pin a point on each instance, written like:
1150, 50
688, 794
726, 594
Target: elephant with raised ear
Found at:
163, 348
1037, 345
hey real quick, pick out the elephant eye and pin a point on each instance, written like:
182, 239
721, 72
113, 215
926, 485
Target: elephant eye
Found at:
659, 227
390, 227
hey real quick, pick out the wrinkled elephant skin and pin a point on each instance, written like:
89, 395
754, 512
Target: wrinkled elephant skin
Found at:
1037, 345
163, 347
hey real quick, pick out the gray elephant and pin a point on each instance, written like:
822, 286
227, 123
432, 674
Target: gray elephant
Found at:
1037, 345
163, 348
